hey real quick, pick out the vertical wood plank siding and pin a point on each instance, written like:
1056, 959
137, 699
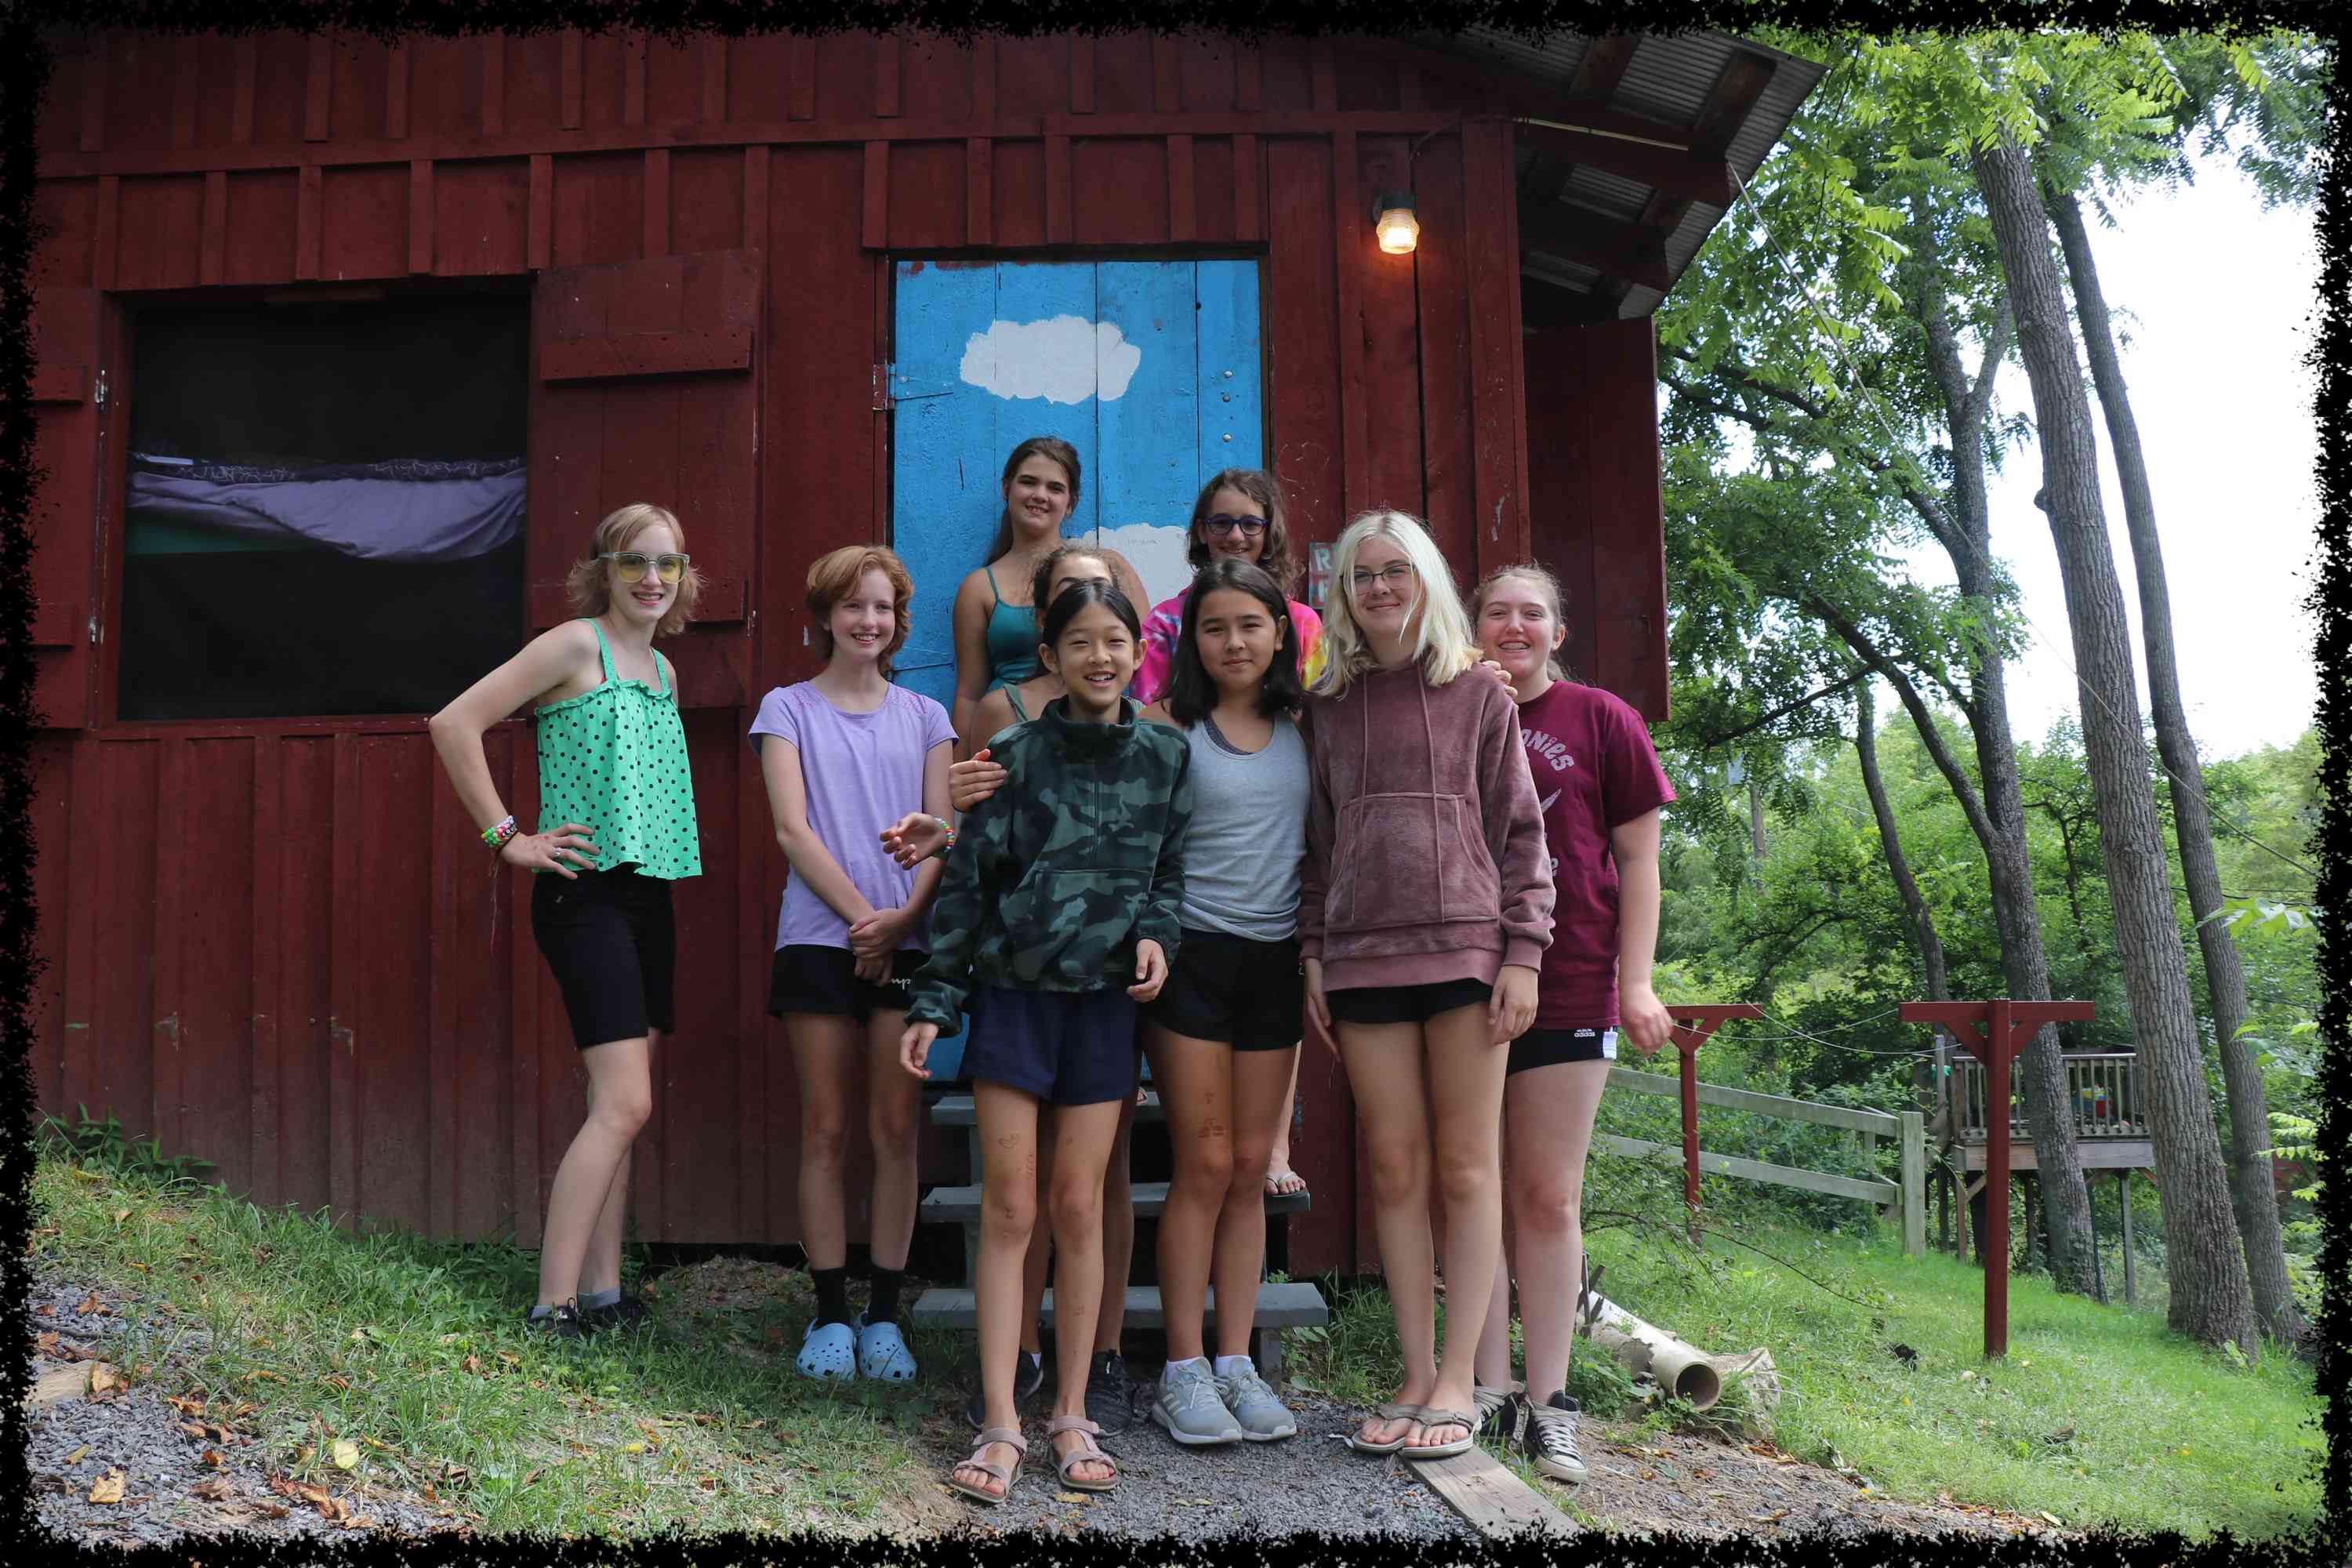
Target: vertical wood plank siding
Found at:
309, 991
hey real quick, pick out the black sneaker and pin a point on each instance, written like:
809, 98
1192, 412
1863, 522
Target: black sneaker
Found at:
562, 1323
1028, 1377
1551, 1440
1498, 1413
628, 1312
1110, 1398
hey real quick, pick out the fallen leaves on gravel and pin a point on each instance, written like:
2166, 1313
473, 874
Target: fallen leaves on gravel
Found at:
108, 1488
346, 1454
103, 1376
92, 1307
75, 1457
213, 1458
186, 1405
218, 1490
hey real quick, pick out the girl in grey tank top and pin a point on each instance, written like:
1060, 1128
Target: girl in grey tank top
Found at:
1248, 834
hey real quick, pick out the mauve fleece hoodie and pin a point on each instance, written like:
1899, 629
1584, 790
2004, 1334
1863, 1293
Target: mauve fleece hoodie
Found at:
1426, 857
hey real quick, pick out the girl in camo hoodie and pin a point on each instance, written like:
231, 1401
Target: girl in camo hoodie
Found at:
1057, 915
1424, 908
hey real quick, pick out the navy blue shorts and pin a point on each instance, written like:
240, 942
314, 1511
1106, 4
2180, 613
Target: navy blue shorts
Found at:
1404, 1003
1067, 1048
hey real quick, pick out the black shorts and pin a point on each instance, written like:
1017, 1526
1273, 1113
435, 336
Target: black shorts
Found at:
808, 977
1067, 1048
1542, 1047
613, 944
1403, 1004
1232, 991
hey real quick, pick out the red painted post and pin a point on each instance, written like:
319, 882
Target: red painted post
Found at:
1693, 1026
1989, 1030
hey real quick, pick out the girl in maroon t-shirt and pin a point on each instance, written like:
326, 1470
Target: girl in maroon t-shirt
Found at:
1597, 780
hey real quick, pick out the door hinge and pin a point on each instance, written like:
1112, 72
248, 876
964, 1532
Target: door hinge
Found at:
98, 395
93, 627
881, 387
891, 388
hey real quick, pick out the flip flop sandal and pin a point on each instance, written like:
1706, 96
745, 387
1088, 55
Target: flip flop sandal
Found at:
1063, 1463
882, 1353
1430, 1415
1411, 1412
994, 1434
829, 1352
1282, 1184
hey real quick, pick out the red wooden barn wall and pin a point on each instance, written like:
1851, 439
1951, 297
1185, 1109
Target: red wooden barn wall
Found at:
271, 943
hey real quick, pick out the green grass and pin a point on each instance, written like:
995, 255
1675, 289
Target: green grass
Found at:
414, 1352
2096, 1414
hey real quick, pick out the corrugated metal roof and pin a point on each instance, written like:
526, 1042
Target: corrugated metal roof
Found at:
1668, 79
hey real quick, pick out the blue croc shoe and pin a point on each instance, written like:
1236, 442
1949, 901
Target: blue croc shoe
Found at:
882, 1353
829, 1350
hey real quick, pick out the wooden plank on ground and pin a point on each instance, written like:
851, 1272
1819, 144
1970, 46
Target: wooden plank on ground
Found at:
1490, 1497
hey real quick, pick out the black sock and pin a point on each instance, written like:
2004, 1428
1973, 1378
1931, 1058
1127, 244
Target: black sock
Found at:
832, 1294
882, 1304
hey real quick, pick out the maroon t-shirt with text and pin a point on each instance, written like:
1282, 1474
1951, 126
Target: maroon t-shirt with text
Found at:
1595, 770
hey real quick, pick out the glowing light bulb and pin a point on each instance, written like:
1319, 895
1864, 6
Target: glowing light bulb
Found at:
1393, 223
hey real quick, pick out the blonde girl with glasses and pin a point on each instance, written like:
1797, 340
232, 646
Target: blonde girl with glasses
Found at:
1425, 907
616, 828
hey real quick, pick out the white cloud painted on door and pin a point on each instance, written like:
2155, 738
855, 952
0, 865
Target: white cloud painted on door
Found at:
1062, 359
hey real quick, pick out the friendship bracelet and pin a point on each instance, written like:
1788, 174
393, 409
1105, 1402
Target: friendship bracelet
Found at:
942, 850
495, 837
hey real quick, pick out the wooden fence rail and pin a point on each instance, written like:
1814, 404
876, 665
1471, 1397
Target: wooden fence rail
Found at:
1906, 1196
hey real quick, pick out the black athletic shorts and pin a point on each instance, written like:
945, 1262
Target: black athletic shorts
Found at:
808, 977
1233, 991
1542, 1047
613, 944
1403, 1004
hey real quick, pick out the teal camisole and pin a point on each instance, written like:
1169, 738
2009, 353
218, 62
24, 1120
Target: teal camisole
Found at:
613, 760
1012, 640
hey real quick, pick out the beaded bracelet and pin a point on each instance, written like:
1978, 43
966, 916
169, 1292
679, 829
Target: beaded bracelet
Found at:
495, 837
941, 852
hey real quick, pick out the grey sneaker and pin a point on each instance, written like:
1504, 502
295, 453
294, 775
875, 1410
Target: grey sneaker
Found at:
1110, 1397
1264, 1418
1551, 1438
1190, 1409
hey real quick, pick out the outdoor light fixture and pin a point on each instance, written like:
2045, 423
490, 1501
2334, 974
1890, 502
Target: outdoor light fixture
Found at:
1393, 223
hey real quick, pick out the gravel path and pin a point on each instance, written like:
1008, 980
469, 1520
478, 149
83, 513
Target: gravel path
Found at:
169, 1488
1310, 1482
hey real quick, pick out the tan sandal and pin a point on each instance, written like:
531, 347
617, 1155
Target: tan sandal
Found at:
1063, 1463
1430, 1415
994, 1434
1387, 1413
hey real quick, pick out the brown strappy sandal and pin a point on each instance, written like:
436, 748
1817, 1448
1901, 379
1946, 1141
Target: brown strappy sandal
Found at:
1393, 1411
994, 1434
1062, 1462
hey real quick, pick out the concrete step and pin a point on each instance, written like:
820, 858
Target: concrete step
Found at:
958, 1110
1294, 1304
960, 1206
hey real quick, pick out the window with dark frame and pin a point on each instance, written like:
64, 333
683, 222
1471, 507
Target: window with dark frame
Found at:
323, 505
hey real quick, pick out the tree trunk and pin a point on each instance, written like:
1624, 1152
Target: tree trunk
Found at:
2256, 1199
1966, 533
1923, 919
2211, 1298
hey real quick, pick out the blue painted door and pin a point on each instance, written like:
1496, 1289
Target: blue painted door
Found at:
1149, 368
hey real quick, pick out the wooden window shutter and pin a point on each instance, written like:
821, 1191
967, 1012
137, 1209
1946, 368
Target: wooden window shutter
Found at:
645, 388
68, 401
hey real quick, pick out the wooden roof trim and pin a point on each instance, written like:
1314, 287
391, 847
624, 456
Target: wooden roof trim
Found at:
1616, 249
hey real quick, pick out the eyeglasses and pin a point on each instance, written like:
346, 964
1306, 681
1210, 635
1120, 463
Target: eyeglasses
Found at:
629, 565
1221, 526
1394, 577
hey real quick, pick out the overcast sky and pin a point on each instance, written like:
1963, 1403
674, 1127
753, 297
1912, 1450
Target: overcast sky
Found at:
2219, 302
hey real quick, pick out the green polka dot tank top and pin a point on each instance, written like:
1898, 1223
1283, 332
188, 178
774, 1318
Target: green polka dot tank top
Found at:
613, 760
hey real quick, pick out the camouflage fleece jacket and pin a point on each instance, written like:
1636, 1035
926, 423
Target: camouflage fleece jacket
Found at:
1057, 876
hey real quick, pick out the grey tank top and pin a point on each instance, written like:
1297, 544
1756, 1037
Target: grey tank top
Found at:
1248, 834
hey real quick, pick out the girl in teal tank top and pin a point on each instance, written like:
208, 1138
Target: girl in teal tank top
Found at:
616, 828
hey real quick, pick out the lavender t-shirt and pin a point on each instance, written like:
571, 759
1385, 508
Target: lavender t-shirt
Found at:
860, 772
